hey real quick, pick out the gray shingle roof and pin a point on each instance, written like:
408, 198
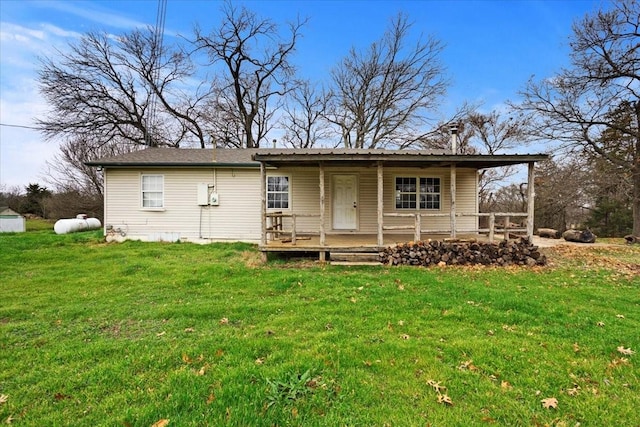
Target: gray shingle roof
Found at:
224, 157
180, 157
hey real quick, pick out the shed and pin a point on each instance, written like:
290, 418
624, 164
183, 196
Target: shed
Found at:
11, 221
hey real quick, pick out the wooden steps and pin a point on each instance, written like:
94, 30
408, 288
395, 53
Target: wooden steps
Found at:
354, 258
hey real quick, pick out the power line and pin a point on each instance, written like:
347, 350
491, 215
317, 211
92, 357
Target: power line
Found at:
19, 126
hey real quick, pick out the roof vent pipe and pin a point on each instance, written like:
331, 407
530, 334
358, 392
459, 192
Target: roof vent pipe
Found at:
453, 128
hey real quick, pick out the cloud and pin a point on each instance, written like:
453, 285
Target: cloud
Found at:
93, 13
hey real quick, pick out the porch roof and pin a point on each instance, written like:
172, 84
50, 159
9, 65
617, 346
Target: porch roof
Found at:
406, 158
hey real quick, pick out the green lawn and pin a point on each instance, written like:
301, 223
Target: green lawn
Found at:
139, 333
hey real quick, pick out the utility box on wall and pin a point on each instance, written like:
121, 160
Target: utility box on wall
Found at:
203, 194
213, 199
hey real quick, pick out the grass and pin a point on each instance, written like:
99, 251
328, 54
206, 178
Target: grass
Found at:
136, 333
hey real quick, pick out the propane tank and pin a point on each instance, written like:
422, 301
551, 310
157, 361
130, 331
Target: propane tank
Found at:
79, 223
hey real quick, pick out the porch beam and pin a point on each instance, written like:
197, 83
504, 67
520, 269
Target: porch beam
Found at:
322, 205
452, 190
531, 194
263, 205
380, 208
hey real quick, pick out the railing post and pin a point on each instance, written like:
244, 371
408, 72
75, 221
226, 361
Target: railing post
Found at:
380, 207
263, 205
531, 194
492, 226
416, 235
507, 220
293, 229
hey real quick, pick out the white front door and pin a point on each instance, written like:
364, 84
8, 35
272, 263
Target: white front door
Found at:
345, 202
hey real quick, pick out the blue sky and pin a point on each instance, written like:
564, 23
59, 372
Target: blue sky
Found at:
491, 48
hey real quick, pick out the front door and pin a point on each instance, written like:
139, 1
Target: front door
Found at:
345, 202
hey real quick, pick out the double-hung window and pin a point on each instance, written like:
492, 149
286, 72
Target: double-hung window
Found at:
278, 192
418, 193
152, 191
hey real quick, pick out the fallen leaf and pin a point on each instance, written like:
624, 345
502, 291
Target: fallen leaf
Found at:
294, 412
443, 398
620, 316
186, 358
405, 336
625, 351
573, 391
161, 423
3, 398
189, 330
617, 362
505, 385
219, 352
468, 365
224, 321
259, 360
211, 398
367, 363
576, 347
202, 371
436, 386
159, 334
550, 402
400, 322
9, 419
353, 300
601, 324
361, 288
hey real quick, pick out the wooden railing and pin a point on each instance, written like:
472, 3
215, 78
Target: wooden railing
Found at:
494, 227
275, 224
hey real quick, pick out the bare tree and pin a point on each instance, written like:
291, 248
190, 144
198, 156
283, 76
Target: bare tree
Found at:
575, 107
257, 73
303, 118
104, 90
382, 96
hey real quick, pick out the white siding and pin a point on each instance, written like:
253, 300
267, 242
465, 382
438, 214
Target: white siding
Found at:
237, 217
305, 194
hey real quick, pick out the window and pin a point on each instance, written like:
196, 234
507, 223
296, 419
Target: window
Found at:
152, 191
278, 192
417, 193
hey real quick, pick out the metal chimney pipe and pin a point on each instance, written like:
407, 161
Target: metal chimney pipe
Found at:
453, 128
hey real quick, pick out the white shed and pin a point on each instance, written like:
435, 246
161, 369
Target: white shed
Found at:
11, 221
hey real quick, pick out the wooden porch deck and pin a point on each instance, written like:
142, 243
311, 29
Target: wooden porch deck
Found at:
346, 242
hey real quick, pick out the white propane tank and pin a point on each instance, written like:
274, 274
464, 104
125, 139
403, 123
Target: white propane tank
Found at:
79, 223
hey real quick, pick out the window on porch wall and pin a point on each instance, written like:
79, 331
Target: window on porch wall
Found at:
278, 192
418, 193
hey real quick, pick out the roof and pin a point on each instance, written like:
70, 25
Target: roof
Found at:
180, 157
419, 158
224, 157
6, 211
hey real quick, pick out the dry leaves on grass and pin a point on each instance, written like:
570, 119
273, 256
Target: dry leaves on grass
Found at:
436, 386
3, 398
161, 423
550, 403
625, 351
443, 399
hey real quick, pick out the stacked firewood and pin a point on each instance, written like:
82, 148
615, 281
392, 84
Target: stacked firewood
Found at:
436, 252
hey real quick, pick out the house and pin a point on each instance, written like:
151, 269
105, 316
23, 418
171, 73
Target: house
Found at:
318, 200
11, 221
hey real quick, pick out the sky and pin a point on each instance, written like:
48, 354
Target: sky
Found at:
492, 48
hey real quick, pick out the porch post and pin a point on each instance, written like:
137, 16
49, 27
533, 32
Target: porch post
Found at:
322, 205
380, 203
531, 194
453, 200
263, 205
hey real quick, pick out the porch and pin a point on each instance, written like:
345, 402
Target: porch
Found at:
388, 219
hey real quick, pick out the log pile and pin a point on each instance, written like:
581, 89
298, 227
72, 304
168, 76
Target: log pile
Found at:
434, 252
